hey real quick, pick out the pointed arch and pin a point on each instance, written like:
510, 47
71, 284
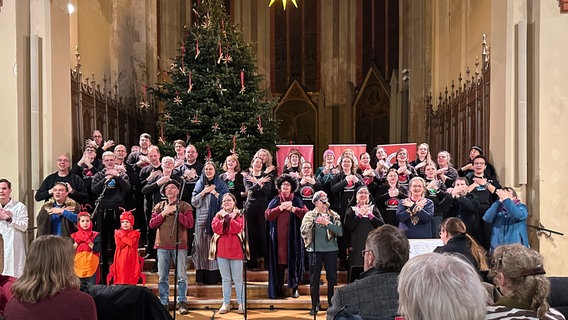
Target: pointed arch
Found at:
298, 116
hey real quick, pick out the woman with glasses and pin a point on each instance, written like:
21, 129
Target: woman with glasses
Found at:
456, 240
415, 213
360, 219
518, 272
508, 216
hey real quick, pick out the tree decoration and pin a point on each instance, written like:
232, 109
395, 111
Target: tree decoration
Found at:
210, 104
167, 117
144, 102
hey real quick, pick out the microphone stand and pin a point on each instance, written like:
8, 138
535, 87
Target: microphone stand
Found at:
175, 225
541, 228
96, 213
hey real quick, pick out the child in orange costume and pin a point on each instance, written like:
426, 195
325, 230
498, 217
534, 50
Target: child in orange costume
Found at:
127, 265
87, 245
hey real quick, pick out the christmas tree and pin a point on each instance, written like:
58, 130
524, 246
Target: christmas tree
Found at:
211, 97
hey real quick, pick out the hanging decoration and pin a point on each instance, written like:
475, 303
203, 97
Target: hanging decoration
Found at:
190, 84
220, 52
167, 117
259, 126
162, 140
197, 52
208, 156
283, 3
177, 99
243, 129
195, 119
234, 150
242, 82
144, 102
215, 127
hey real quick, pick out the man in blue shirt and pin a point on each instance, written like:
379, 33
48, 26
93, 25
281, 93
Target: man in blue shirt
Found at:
58, 216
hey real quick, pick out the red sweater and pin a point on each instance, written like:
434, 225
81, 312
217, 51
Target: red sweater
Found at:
228, 245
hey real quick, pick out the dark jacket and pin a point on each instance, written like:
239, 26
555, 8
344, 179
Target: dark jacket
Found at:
374, 294
459, 244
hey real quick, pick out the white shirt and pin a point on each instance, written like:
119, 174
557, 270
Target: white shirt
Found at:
13, 234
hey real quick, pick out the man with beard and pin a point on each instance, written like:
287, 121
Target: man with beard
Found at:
75, 185
96, 142
58, 216
113, 187
148, 175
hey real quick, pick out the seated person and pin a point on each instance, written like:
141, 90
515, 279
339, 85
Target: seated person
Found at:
436, 286
374, 294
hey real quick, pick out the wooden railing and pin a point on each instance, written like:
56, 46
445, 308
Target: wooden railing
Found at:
96, 107
458, 118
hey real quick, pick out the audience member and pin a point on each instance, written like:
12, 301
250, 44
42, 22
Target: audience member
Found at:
518, 272
58, 216
434, 286
49, 288
375, 293
456, 240
13, 225
170, 237
285, 248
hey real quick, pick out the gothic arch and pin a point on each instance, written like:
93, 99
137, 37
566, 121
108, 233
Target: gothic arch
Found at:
371, 110
298, 116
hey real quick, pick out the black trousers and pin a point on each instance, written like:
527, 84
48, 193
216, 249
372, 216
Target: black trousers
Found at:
107, 221
329, 261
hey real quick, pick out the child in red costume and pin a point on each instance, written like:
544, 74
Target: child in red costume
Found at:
87, 249
127, 266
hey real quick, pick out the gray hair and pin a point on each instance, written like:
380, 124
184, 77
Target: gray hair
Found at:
433, 286
389, 246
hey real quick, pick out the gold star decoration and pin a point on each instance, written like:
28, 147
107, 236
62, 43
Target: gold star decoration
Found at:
283, 3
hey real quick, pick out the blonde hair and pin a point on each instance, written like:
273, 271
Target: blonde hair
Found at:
268, 156
526, 279
236, 159
48, 270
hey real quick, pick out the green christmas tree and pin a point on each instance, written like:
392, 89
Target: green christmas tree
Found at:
211, 96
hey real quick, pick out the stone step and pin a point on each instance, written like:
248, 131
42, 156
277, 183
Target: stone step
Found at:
301, 303
254, 290
252, 276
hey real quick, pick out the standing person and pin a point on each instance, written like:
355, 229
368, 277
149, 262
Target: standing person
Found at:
380, 162
127, 264
343, 186
308, 185
228, 226
423, 157
13, 225
137, 160
405, 171
320, 229
48, 288
369, 175
360, 219
75, 185
328, 168
86, 168
475, 151
508, 216
122, 167
179, 147
446, 171
148, 175
234, 178
58, 216
206, 197
99, 144
415, 213
115, 186
258, 186
285, 248
165, 221
435, 191
386, 251
267, 164
87, 244
388, 196
483, 187
293, 163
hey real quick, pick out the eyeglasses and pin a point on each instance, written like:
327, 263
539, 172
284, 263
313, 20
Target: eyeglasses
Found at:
62, 160
364, 251
286, 184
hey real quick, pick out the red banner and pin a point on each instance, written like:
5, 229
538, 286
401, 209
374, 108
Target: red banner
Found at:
391, 150
307, 152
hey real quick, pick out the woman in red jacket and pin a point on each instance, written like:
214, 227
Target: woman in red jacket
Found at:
228, 227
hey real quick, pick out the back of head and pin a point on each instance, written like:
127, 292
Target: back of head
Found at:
524, 274
390, 247
437, 286
48, 270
